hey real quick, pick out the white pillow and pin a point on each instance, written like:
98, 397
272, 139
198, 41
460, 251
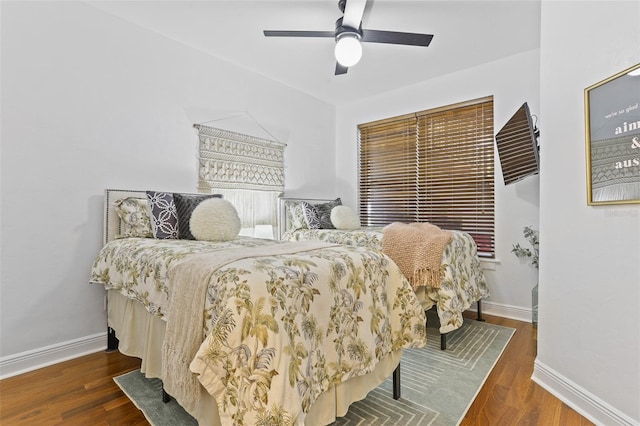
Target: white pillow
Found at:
215, 219
343, 217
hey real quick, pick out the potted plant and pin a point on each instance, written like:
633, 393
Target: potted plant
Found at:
530, 255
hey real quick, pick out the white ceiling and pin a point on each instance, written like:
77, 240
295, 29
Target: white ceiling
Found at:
466, 34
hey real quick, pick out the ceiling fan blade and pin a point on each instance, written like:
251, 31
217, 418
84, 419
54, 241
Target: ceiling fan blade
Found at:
353, 11
277, 33
340, 69
394, 37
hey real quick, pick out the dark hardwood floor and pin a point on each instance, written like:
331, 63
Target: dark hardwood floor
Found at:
509, 396
82, 391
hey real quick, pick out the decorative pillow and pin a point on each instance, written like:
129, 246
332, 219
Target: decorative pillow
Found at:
134, 217
164, 219
310, 215
344, 217
215, 219
295, 215
318, 216
324, 213
185, 204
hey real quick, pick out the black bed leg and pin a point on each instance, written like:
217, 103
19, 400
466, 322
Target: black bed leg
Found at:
396, 382
112, 340
443, 341
480, 311
165, 396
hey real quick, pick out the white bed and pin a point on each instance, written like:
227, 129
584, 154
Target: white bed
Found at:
139, 322
462, 281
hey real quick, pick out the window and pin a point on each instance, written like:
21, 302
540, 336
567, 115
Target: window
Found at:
431, 166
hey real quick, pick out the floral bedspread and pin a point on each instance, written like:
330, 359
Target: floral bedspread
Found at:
463, 281
280, 329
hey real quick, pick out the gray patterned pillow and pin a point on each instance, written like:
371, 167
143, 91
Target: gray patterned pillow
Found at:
164, 218
310, 215
295, 215
324, 213
185, 204
318, 216
134, 217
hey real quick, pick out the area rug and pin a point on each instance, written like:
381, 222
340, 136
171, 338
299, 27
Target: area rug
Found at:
438, 386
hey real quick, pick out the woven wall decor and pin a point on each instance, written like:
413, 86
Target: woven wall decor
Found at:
230, 160
247, 171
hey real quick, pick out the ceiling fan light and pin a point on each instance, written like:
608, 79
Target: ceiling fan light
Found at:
348, 50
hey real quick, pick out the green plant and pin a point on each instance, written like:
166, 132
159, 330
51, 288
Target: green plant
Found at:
531, 255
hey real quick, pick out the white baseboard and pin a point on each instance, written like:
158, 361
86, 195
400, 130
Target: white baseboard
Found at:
585, 403
24, 362
506, 311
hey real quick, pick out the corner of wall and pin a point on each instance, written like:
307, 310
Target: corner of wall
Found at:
578, 398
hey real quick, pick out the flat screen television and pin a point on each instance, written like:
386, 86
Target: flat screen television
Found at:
517, 144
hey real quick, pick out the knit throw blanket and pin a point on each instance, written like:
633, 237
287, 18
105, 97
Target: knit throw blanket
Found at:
417, 250
188, 282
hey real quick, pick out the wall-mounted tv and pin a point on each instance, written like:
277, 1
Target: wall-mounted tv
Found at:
517, 144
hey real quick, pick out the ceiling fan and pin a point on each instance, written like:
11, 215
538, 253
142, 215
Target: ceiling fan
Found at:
349, 34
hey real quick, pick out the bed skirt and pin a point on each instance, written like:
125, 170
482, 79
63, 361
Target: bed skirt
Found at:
140, 335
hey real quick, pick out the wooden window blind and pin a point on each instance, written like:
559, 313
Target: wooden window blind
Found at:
432, 166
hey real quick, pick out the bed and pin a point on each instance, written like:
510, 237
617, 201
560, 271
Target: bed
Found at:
462, 280
281, 333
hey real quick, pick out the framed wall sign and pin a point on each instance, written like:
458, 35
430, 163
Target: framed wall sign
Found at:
612, 117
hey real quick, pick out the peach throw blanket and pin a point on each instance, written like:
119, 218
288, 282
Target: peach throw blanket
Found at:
417, 250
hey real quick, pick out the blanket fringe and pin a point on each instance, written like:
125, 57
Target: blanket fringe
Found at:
421, 276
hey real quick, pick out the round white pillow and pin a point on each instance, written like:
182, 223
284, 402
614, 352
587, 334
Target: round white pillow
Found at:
215, 219
344, 217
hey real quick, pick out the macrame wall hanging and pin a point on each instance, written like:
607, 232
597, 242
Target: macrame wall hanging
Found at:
248, 171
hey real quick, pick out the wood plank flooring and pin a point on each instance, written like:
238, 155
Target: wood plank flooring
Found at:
509, 396
82, 391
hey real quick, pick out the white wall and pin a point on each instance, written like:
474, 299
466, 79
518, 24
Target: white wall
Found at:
589, 330
512, 81
89, 102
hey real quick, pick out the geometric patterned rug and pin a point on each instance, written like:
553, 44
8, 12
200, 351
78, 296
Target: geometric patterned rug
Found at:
438, 387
